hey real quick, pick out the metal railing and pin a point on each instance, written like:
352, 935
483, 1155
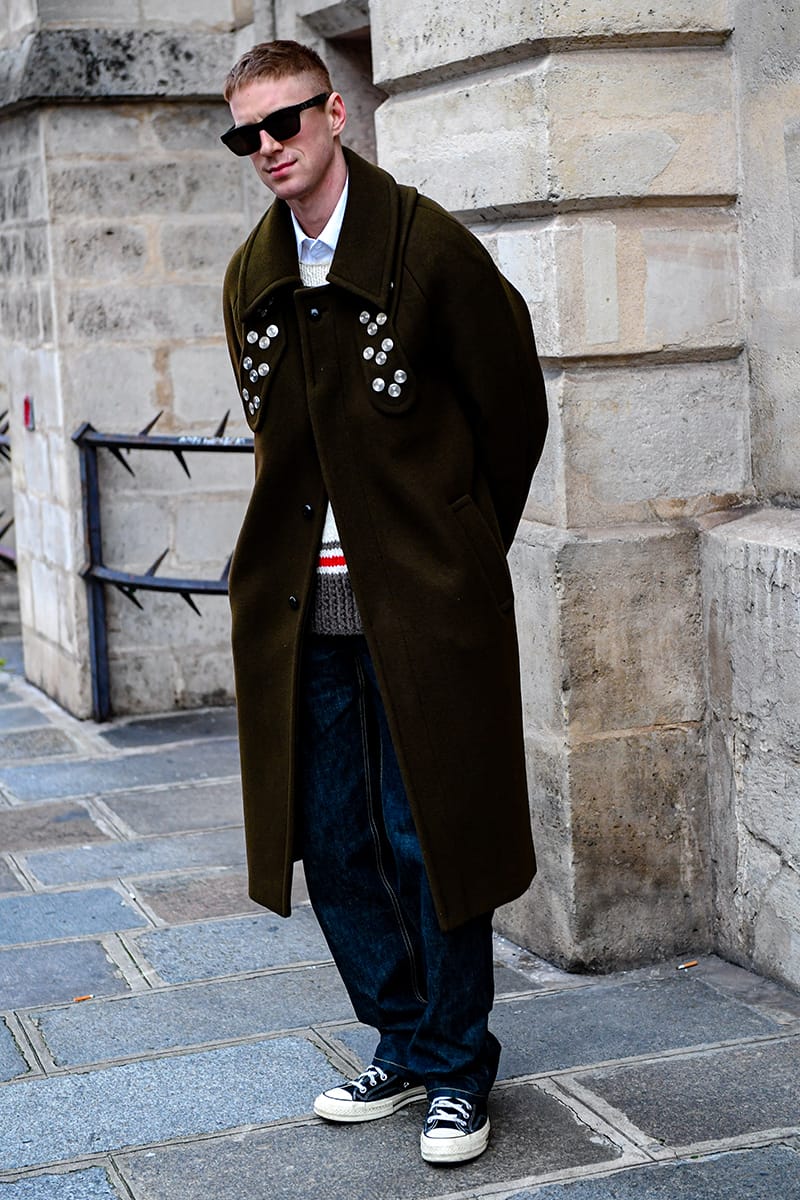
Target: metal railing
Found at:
8, 555
97, 574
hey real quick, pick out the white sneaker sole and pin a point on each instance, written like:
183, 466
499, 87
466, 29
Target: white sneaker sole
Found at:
455, 1149
361, 1110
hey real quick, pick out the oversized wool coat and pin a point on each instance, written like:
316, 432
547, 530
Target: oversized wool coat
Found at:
408, 392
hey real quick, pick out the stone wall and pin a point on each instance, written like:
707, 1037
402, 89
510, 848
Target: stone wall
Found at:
595, 153
751, 566
120, 215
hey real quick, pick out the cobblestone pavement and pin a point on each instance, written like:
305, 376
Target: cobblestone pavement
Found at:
161, 1037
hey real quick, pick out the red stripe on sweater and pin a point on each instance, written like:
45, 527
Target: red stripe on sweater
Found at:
332, 560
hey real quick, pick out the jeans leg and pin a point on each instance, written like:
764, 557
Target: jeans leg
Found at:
348, 862
451, 1048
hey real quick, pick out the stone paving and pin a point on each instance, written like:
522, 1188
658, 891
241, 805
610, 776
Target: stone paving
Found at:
162, 1037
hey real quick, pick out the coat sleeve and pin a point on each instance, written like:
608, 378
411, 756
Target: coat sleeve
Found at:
485, 325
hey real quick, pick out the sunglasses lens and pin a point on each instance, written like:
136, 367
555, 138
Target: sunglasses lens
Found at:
242, 141
283, 125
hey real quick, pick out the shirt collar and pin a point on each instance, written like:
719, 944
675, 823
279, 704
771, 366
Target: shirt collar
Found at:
322, 248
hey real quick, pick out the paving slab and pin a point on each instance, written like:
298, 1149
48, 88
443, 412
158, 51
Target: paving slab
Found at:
186, 1016
57, 972
46, 917
720, 1094
51, 1120
35, 743
552, 1031
206, 806
93, 776
89, 1184
199, 896
751, 1174
59, 824
224, 847
21, 716
185, 953
172, 727
359, 1039
8, 880
532, 1134
12, 1063
11, 655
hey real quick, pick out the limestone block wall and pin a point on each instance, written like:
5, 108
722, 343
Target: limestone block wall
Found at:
595, 153
750, 564
120, 216
751, 570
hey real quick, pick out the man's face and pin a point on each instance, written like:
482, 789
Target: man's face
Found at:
299, 168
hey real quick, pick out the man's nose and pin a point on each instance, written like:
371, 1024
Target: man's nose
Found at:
269, 144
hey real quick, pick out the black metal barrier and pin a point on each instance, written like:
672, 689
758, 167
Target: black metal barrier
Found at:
8, 556
97, 575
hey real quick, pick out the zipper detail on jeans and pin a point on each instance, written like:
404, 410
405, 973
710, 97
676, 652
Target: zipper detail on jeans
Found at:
398, 912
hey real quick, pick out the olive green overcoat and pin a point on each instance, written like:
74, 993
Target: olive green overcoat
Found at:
427, 458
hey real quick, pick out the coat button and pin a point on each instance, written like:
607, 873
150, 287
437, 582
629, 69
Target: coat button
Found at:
294, 602
314, 314
308, 511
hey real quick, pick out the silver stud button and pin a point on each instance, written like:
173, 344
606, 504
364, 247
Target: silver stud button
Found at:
272, 331
364, 318
400, 377
372, 329
252, 336
252, 408
381, 318
263, 342
263, 368
256, 402
380, 358
247, 363
378, 384
254, 376
368, 352
387, 344
245, 394
394, 390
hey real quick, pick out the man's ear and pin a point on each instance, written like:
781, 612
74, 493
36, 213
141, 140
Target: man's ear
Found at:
337, 113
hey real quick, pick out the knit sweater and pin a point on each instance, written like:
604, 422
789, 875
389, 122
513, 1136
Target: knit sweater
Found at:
335, 610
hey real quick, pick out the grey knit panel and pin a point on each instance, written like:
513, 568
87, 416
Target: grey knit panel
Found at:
335, 609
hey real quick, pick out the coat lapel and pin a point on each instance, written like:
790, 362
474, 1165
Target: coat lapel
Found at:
377, 214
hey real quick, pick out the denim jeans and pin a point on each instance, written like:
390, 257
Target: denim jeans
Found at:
427, 992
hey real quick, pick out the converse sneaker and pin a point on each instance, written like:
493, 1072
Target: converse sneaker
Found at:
375, 1093
455, 1130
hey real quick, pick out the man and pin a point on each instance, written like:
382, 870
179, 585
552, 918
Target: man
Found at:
389, 375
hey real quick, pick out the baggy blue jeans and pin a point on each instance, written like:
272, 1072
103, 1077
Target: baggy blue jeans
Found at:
427, 992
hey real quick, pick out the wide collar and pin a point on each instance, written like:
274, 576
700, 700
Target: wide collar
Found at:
375, 223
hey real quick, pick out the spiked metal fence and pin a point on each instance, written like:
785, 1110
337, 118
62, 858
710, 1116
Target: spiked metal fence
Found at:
98, 576
8, 556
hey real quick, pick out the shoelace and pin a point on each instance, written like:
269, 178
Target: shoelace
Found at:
369, 1079
452, 1109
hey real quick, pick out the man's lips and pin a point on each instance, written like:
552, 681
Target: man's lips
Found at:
279, 168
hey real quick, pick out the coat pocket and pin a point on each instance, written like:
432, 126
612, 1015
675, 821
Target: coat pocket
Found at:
486, 549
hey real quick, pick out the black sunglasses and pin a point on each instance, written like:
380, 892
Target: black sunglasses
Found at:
280, 125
